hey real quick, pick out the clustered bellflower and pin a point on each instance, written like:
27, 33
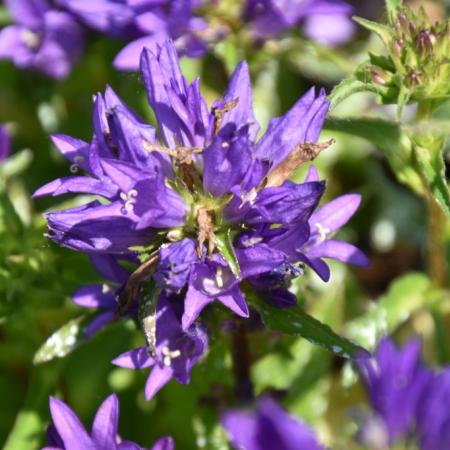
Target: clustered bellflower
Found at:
410, 401
66, 432
41, 38
203, 204
48, 35
267, 427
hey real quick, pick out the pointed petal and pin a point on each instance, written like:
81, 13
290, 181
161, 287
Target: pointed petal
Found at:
258, 259
94, 296
69, 427
100, 321
138, 358
342, 251
104, 427
235, 301
302, 123
333, 215
75, 185
312, 174
157, 379
240, 88
194, 303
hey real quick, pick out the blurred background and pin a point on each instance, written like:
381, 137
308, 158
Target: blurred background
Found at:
394, 295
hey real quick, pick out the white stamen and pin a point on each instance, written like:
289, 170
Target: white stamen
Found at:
30, 39
249, 197
323, 231
129, 200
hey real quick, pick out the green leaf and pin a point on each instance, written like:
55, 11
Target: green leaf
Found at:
387, 136
62, 341
382, 30
393, 6
225, 246
405, 296
296, 322
346, 88
432, 167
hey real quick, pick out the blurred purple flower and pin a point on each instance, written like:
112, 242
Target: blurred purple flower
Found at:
397, 383
5, 143
268, 427
176, 350
326, 21
42, 38
433, 420
67, 432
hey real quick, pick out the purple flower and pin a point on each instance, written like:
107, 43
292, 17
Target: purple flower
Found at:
203, 203
268, 427
326, 21
67, 432
397, 384
176, 350
433, 421
5, 143
155, 22
44, 39
102, 296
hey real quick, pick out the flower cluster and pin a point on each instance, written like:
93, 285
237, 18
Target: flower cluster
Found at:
408, 399
66, 432
324, 21
201, 206
48, 35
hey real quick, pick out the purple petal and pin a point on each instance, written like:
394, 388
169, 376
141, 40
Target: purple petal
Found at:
165, 443
302, 123
27, 12
312, 174
258, 259
139, 358
235, 301
69, 427
342, 251
240, 88
75, 185
104, 427
194, 302
75, 150
158, 378
100, 321
108, 267
333, 215
94, 296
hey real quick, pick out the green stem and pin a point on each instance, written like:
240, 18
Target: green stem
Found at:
436, 254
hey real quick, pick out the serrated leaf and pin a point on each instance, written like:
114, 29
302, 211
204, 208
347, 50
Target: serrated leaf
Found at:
62, 341
224, 244
432, 167
296, 322
382, 30
405, 296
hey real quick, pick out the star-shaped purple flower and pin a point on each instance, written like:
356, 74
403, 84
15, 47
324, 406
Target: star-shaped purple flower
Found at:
268, 427
41, 38
202, 202
67, 432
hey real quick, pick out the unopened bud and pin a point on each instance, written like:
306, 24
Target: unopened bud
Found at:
398, 47
425, 42
379, 76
